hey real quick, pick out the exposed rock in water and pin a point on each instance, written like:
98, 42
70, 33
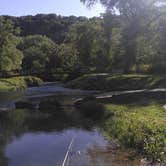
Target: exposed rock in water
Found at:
90, 107
49, 104
83, 100
4, 109
24, 104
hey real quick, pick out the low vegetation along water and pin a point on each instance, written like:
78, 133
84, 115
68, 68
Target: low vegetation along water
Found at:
41, 137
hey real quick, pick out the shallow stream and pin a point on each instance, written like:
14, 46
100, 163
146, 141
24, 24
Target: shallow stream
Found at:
30, 137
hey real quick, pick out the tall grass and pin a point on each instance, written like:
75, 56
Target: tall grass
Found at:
140, 127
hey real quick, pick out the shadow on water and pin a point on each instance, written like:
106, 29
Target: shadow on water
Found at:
40, 137
143, 98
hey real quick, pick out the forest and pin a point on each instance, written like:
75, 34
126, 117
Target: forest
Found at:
130, 39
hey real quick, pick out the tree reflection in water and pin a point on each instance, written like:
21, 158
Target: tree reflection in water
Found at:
15, 124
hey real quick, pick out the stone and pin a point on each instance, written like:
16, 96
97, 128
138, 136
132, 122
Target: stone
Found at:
24, 105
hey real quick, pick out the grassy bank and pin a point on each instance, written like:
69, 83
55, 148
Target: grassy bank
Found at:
135, 121
18, 83
140, 124
108, 82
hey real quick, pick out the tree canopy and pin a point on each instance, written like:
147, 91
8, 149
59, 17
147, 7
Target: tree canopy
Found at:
129, 37
36, 50
138, 25
10, 56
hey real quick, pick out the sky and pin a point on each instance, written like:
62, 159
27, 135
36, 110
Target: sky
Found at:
59, 7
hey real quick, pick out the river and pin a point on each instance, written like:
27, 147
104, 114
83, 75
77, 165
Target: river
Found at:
30, 137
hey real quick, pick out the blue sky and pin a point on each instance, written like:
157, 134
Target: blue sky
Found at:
62, 7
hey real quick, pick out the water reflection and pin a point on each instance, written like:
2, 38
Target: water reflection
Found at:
33, 138
40, 137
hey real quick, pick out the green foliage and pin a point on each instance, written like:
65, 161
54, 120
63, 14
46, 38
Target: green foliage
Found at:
129, 37
108, 82
141, 127
155, 146
53, 26
19, 83
43, 56
36, 51
88, 38
138, 40
10, 56
128, 40
62, 58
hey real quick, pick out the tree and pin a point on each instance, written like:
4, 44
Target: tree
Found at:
10, 56
53, 26
88, 38
62, 58
36, 50
137, 16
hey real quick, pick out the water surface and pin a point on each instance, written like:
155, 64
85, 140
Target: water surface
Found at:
30, 137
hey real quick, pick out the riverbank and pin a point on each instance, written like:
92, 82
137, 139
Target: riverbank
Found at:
109, 82
138, 121
18, 83
139, 127
134, 120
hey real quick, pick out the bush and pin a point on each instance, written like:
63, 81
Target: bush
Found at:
19, 83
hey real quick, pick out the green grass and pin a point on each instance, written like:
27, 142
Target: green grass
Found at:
18, 83
139, 127
108, 82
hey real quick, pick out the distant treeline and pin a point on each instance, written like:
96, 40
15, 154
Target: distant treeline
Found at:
51, 44
53, 26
